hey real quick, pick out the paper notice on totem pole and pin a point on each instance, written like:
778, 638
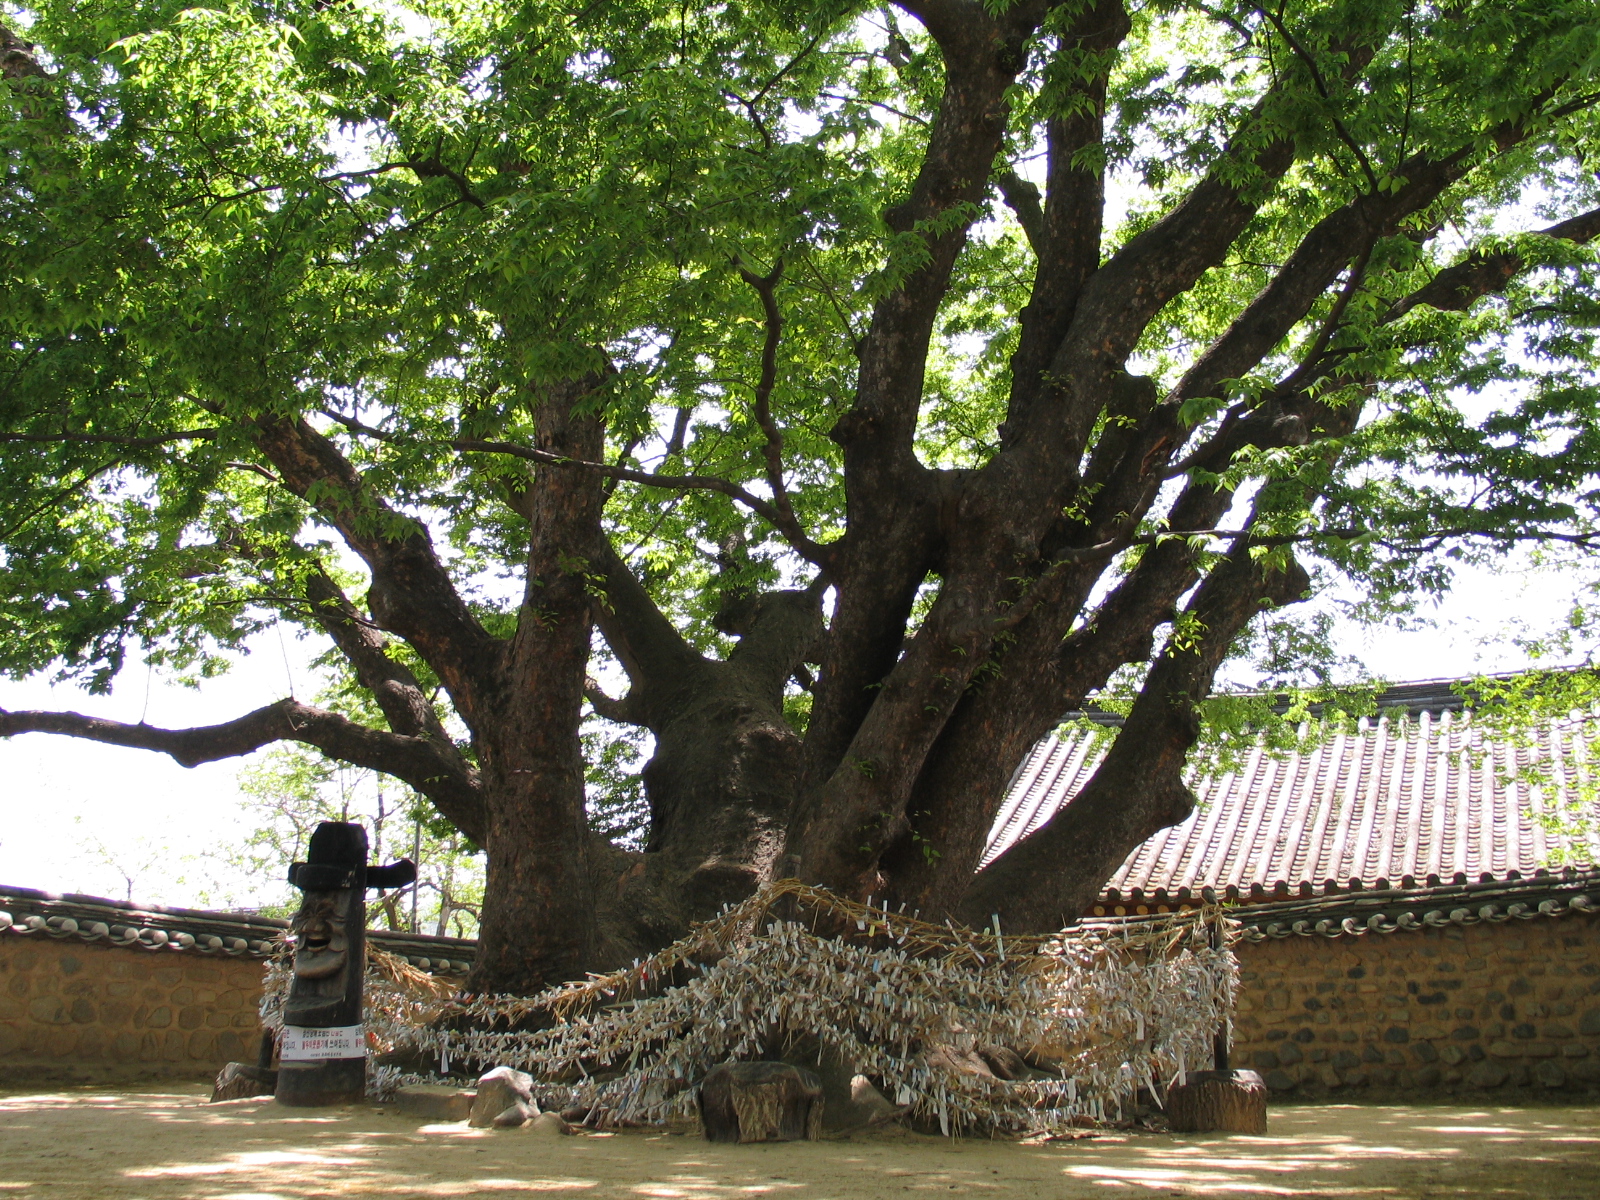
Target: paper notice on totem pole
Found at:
302, 1044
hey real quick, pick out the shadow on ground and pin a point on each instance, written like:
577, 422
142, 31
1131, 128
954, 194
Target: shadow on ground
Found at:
170, 1145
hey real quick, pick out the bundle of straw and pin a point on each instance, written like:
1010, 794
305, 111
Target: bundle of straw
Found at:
1110, 1007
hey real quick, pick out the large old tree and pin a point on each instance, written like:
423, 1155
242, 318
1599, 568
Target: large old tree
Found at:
880, 383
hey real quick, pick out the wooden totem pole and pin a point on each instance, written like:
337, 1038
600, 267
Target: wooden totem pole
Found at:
322, 1058
1223, 1098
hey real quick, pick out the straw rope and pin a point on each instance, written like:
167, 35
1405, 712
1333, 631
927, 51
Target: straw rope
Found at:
1112, 1006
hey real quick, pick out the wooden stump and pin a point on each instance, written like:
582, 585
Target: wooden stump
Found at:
237, 1080
1224, 1101
760, 1102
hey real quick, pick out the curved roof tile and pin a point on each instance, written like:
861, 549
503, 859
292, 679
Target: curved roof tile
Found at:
1410, 795
29, 913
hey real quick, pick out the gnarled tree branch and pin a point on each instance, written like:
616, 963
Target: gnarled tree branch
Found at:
113, 439
1482, 273
401, 698
1046, 880
766, 287
1022, 198
17, 59
411, 594
420, 762
626, 711
776, 516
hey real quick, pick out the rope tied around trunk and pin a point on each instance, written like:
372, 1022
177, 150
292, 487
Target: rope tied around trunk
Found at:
1105, 1008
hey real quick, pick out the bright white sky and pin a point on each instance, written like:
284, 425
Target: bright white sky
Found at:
76, 816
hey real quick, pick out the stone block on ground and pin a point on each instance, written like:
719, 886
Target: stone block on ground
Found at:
547, 1125
760, 1102
862, 1107
497, 1091
239, 1080
849, 1100
872, 1103
1219, 1101
516, 1116
436, 1102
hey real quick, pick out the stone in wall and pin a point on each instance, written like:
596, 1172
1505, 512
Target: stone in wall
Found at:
75, 1009
1489, 1006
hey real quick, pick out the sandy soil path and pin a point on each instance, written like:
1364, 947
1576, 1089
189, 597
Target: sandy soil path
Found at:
169, 1145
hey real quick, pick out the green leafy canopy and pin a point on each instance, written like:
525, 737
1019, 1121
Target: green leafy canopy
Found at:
397, 219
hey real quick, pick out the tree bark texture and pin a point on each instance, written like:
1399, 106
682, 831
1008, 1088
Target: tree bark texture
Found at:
539, 912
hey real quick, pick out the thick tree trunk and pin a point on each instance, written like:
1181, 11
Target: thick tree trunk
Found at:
719, 785
538, 924
726, 767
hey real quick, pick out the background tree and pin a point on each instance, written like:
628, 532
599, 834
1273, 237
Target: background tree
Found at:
881, 382
293, 788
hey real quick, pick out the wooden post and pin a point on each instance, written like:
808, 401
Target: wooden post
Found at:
1219, 1101
322, 1056
1222, 1040
1222, 1099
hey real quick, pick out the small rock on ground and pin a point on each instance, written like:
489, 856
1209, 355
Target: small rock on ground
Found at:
498, 1090
239, 1080
516, 1115
548, 1125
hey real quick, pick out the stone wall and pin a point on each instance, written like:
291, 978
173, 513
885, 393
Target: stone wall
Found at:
76, 1010
1494, 1006
1489, 1006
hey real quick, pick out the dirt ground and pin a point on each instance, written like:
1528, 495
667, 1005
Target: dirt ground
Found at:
99, 1144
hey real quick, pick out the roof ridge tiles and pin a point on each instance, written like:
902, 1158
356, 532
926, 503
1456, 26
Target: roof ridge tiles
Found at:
8, 892
1354, 913
1564, 879
29, 912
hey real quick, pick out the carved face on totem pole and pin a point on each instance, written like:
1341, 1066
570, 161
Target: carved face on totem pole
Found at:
321, 946
323, 1046
329, 948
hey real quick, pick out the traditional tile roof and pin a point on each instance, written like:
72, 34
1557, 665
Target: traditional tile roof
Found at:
25, 912
1406, 798
1355, 912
